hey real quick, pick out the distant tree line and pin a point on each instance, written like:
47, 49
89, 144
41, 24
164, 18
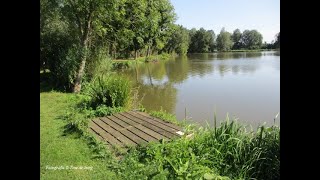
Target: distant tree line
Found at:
203, 41
75, 33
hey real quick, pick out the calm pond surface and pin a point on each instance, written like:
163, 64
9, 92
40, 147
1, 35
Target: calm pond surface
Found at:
246, 85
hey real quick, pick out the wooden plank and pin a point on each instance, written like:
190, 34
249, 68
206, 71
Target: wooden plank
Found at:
100, 138
154, 123
151, 125
140, 127
159, 120
97, 135
132, 129
105, 135
115, 133
123, 130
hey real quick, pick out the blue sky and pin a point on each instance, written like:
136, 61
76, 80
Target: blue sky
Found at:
262, 15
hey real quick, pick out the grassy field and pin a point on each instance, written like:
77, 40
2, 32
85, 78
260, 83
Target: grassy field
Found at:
59, 149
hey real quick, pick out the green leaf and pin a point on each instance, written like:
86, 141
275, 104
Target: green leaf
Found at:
208, 176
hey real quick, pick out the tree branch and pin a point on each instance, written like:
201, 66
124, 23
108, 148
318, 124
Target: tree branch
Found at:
78, 21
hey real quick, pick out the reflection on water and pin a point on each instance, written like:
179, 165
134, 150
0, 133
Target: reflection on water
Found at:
243, 84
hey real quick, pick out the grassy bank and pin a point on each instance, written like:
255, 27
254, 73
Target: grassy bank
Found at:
227, 151
58, 148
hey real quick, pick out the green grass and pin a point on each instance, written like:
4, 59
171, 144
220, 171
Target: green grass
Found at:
58, 149
162, 114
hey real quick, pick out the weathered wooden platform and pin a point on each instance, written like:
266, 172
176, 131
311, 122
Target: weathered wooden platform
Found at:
133, 128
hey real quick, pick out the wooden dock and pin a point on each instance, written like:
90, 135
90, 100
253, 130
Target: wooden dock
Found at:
132, 128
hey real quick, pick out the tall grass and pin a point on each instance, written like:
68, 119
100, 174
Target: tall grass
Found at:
111, 91
225, 152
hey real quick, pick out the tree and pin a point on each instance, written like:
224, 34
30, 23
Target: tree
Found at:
212, 38
135, 15
159, 19
48, 14
266, 45
179, 41
236, 36
83, 16
202, 41
57, 50
251, 39
224, 41
277, 41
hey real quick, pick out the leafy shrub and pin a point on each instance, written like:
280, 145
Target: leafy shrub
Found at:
111, 91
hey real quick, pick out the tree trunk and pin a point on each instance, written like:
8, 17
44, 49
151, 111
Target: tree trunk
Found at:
77, 83
135, 54
148, 51
84, 33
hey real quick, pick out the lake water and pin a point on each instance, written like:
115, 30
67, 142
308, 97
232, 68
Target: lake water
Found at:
245, 85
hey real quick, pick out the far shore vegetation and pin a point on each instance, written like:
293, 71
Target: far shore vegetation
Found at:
83, 42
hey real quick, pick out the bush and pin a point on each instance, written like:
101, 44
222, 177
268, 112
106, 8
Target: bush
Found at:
111, 91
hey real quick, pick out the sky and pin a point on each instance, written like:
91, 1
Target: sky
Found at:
261, 15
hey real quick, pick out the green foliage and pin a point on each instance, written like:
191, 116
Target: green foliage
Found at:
267, 46
225, 152
277, 41
202, 41
104, 110
99, 63
165, 56
77, 34
58, 50
178, 41
212, 40
251, 39
224, 41
111, 91
236, 37
120, 65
